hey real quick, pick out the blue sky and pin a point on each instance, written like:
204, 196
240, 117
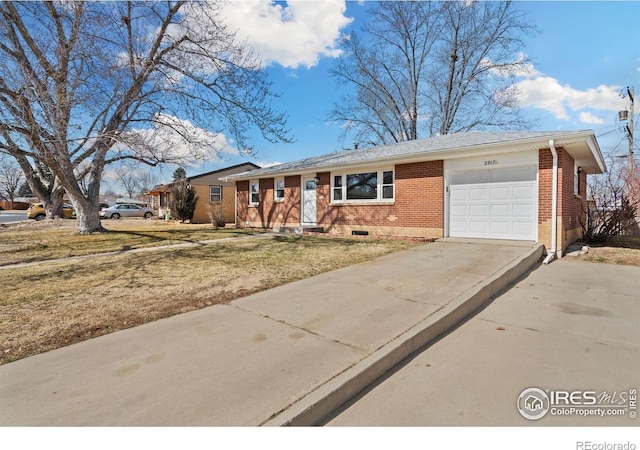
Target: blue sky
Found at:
587, 52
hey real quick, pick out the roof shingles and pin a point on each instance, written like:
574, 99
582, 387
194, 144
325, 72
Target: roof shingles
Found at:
437, 144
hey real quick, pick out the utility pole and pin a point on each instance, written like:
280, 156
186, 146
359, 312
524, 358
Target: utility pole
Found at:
628, 116
630, 133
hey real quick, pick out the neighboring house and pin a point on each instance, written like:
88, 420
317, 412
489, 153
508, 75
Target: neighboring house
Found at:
496, 185
210, 189
158, 199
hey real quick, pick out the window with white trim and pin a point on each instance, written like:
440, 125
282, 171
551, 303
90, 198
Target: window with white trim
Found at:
576, 179
363, 186
337, 188
215, 194
278, 189
254, 192
388, 188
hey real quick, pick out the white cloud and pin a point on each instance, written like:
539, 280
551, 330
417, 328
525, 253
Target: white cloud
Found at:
177, 141
587, 117
296, 34
549, 94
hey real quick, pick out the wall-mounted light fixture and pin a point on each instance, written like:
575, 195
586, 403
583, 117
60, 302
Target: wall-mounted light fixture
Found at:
316, 179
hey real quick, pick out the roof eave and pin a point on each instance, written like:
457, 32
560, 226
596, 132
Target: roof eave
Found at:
529, 144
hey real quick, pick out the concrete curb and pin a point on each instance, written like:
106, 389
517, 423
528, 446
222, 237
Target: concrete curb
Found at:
317, 406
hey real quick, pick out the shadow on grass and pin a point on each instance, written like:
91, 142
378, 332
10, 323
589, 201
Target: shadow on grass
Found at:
180, 235
325, 241
632, 242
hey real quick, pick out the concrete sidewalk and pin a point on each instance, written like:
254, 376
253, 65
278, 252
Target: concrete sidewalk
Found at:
290, 355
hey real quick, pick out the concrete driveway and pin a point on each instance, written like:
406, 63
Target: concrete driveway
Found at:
290, 355
569, 326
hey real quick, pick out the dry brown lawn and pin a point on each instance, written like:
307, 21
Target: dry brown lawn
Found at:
621, 250
48, 239
56, 303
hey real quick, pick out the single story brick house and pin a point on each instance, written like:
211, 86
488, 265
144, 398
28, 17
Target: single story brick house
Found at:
210, 187
522, 185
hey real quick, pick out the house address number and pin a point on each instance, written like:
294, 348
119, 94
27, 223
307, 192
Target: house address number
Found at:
491, 162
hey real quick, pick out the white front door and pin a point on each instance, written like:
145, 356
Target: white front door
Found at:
494, 204
308, 201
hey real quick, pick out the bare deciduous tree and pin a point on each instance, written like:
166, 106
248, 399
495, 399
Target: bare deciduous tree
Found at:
129, 179
613, 203
428, 68
10, 176
84, 85
146, 181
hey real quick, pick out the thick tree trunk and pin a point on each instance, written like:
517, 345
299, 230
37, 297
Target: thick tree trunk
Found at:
53, 203
87, 215
89, 222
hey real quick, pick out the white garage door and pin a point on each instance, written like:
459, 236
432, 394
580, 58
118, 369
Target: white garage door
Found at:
494, 204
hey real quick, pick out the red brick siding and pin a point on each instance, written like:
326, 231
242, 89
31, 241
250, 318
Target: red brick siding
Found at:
568, 205
545, 180
420, 194
571, 209
270, 212
419, 200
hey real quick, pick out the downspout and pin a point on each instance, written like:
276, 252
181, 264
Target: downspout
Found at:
554, 206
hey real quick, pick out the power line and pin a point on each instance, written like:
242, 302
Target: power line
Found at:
615, 148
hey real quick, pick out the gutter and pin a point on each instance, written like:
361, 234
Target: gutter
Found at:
554, 206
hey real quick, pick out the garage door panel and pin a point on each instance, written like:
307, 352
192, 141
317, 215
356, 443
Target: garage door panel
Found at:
459, 195
523, 228
459, 211
494, 204
500, 210
459, 227
500, 227
522, 193
479, 193
479, 211
522, 211
478, 226
500, 193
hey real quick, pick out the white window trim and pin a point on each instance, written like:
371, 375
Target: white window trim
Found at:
374, 201
251, 183
211, 193
275, 190
576, 180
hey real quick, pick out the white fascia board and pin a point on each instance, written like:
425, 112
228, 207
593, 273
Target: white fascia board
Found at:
588, 140
597, 154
